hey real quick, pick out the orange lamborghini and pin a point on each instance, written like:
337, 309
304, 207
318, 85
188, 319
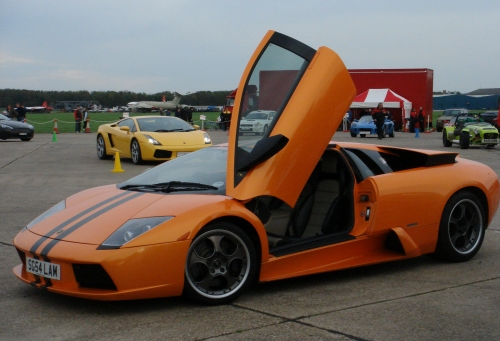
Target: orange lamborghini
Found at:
261, 208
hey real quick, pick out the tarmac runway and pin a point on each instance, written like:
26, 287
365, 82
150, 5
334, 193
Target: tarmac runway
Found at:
416, 299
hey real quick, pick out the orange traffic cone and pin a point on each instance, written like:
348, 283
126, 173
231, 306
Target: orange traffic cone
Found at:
118, 166
87, 127
56, 130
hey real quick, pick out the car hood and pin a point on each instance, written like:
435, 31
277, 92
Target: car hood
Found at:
92, 216
182, 138
16, 124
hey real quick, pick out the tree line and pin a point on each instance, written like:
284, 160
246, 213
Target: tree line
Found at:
106, 98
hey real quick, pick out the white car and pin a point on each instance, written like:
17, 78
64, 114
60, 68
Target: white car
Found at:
256, 122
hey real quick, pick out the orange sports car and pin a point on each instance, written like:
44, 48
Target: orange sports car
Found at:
261, 208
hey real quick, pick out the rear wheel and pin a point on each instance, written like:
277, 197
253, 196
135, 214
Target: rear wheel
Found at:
101, 148
446, 142
221, 263
464, 140
135, 151
461, 231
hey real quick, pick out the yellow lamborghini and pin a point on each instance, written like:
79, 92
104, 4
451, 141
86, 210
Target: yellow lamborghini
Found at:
156, 138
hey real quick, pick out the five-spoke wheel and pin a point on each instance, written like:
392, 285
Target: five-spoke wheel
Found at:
135, 151
221, 263
101, 148
461, 231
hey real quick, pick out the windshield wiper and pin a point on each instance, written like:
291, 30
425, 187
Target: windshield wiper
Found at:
171, 130
171, 186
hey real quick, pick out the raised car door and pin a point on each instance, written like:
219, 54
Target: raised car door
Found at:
310, 91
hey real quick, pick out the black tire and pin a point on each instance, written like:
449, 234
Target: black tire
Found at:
439, 129
446, 142
101, 148
25, 139
135, 152
264, 130
391, 134
220, 264
490, 145
362, 135
462, 227
353, 135
464, 140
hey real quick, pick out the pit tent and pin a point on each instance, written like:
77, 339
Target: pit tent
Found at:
391, 100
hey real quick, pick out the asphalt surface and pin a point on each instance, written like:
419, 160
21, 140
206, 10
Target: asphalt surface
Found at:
416, 299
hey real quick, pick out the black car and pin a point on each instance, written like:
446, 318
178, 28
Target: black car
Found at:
10, 129
491, 117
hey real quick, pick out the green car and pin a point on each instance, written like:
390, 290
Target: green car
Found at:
469, 129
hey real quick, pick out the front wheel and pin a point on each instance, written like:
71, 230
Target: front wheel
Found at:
461, 231
464, 140
353, 135
221, 263
362, 135
135, 151
264, 130
25, 139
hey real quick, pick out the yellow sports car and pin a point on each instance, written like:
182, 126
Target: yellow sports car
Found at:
157, 138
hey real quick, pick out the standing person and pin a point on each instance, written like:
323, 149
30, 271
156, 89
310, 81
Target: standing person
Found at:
85, 117
21, 112
378, 115
417, 128
78, 119
168, 112
178, 113
413, 120
421, 119
162, 113
10, 112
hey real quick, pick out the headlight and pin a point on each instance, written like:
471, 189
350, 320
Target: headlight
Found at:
131, 230
152, 140
258, 124
207, 138
56, 208
476, 131
6, 126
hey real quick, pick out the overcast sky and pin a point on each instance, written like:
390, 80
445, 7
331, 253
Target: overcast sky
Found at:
186, 46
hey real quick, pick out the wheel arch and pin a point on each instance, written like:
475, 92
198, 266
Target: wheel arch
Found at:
247, 228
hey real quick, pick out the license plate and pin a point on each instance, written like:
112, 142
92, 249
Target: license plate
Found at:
490, 141
245, 129
23, 133
44, 269
182, 153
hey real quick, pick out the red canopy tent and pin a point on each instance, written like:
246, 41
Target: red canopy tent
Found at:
391, 100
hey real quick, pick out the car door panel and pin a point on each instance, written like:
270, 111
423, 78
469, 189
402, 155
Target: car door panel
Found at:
306, 118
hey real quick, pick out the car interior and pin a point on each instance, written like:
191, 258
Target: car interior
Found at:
322, 215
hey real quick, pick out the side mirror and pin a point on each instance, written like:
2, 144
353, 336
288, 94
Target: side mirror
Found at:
125, 128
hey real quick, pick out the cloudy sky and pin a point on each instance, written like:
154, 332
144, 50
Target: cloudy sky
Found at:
186, 45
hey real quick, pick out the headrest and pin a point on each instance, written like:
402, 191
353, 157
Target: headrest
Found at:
329, 163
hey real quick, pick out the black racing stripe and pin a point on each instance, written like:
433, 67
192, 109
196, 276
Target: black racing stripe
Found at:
72, 219
73, 228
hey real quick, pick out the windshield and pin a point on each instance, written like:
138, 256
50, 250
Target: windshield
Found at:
366, 119
206, 166
257, 115
163, 124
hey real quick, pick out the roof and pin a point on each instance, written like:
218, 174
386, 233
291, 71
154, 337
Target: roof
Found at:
488, 91
372, 97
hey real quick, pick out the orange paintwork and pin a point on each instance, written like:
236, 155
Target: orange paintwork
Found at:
153, 264
302, 122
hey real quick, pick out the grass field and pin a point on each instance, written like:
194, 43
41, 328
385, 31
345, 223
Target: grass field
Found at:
44, 123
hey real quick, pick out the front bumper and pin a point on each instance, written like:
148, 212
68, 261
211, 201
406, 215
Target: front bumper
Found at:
136, 272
